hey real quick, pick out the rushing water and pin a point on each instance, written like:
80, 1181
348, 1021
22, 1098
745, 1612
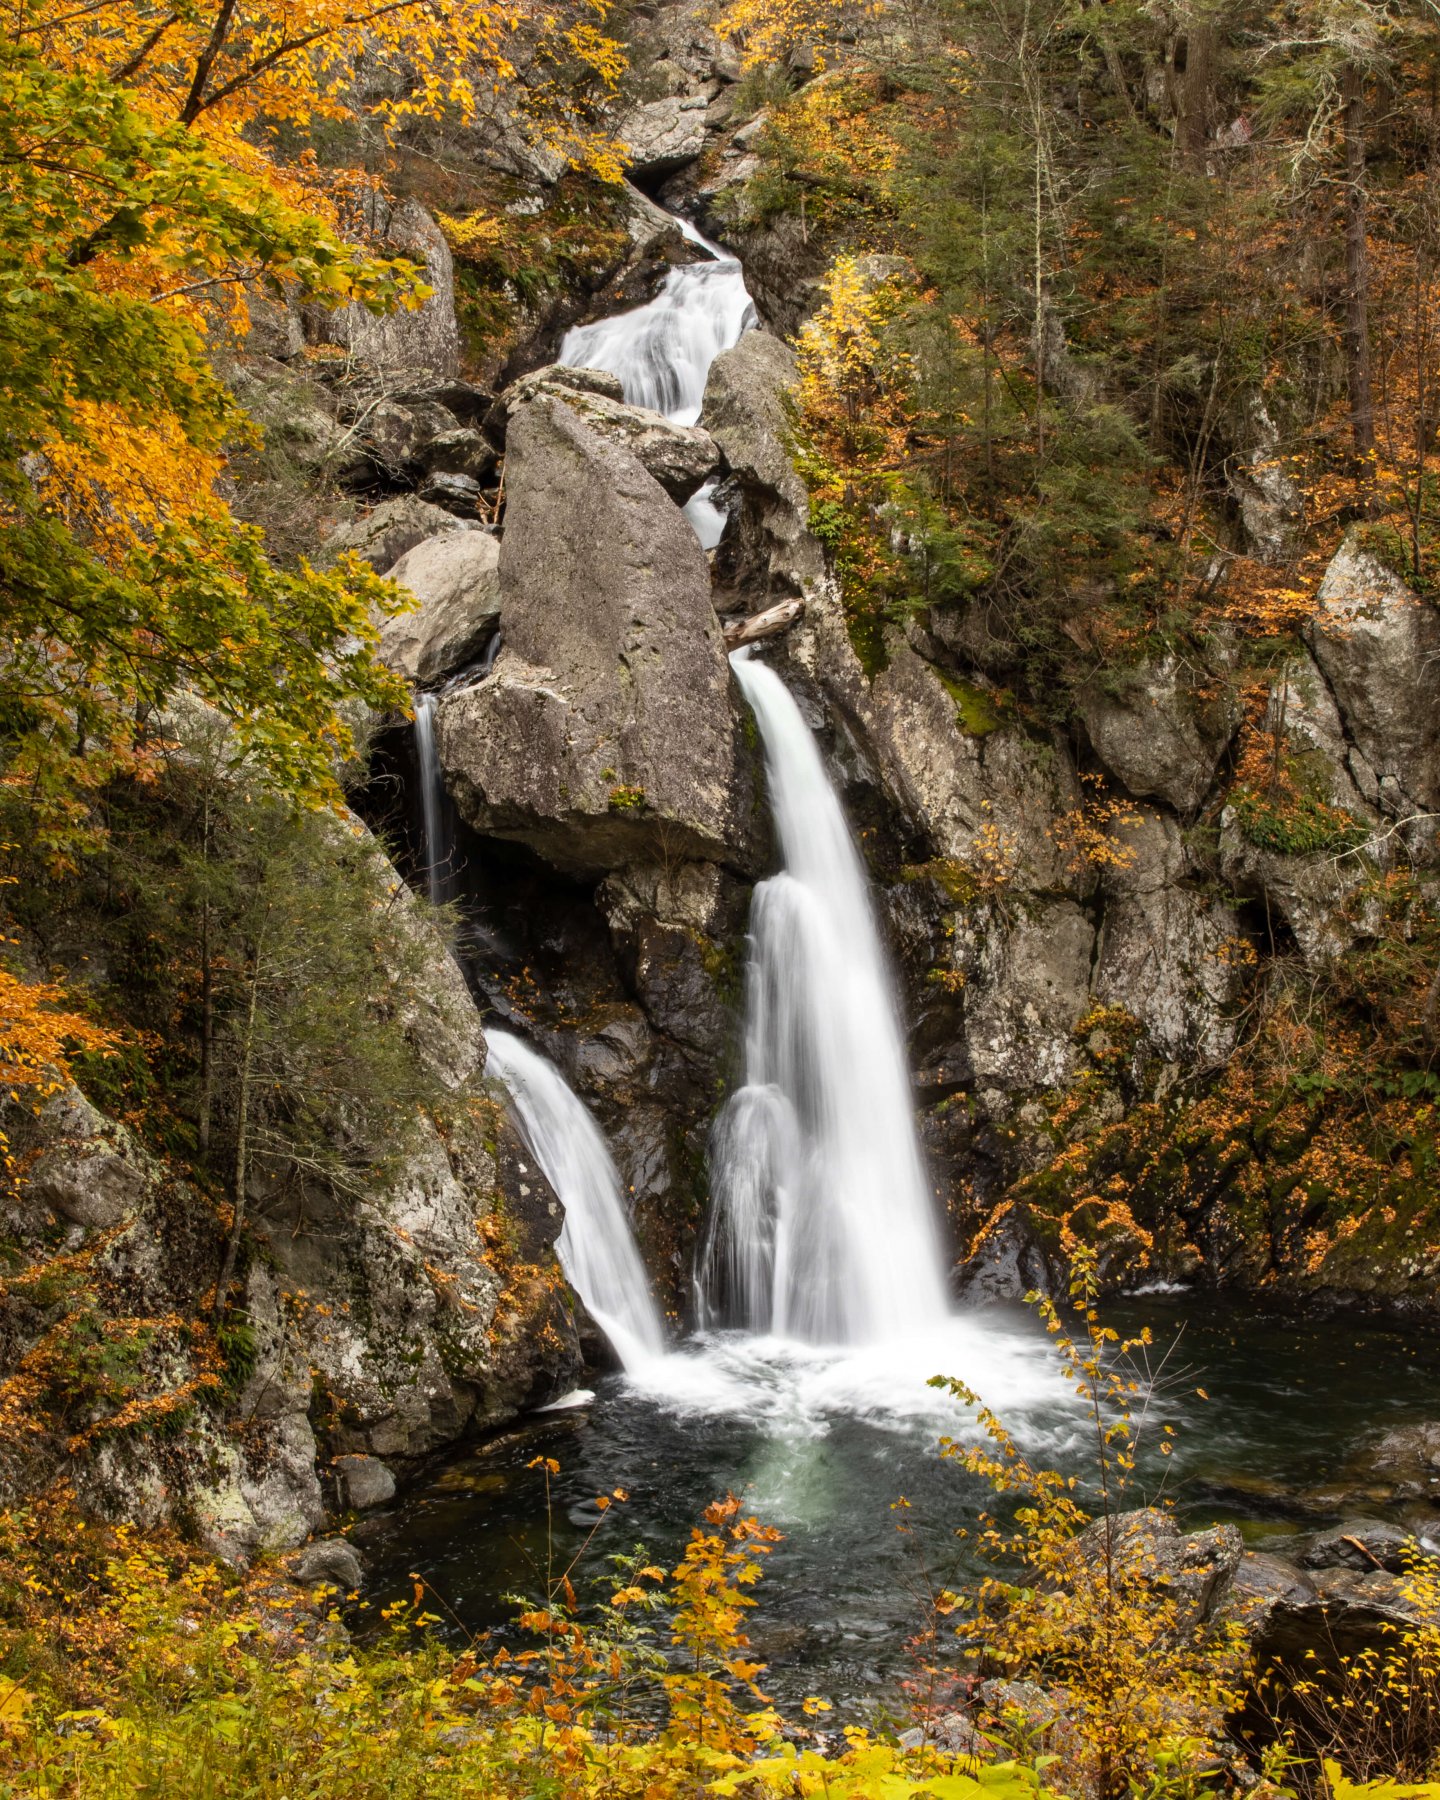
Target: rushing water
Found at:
661, 352
822, 1224
596, 1248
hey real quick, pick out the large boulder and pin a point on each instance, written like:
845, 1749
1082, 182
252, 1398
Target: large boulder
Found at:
680, 457
1151, 732
421, 341
664, 134
1378, 644
382, 535
607, 728
744, 411
455, 577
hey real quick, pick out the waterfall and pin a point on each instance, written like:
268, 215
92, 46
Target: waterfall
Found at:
596, 1246
822, 1226
662, 352
434, 802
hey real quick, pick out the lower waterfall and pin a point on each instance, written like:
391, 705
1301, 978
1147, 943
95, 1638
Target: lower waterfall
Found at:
822, 1226
596, 1246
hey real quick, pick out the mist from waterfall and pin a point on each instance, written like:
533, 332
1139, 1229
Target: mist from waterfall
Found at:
822, 1225
661, 352
596, 1246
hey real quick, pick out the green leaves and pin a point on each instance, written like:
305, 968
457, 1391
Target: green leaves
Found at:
121, 578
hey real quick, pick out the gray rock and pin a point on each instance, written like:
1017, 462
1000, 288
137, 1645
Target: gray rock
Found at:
1164, 946
1310, 893
1302, 708
1362, 1544
425, 341
364, 1482
1027, 981
665, 134
458, 494
1408, 1460
91, 1172
382, 536
275, 327
680, 457
1273, 1601
744, 411
456, 578
396, 437
463, 451
559, 380
331, 1562
1378, 645
1272, 507
1190, 1570
953, 1733
296, 416
607, 726
1151, 735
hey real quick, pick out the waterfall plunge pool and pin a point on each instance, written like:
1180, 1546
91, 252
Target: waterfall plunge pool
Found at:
821, 1444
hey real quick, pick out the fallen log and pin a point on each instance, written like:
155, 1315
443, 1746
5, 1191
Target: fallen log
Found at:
769, 623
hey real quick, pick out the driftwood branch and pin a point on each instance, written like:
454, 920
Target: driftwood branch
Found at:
769, 623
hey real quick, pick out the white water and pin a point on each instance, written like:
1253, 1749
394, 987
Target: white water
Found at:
434, 801
822, 1226
596, 1247
662, 352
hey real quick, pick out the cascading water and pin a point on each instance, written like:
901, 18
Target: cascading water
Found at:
822, 1226
596, 1247
434, 802
662, 352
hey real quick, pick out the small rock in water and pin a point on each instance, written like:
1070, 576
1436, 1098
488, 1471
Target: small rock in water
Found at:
364, 1481
1360, 1544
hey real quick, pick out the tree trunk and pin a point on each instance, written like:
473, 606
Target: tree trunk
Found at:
207, 1005
1357, 285
242, 1126
1193, 65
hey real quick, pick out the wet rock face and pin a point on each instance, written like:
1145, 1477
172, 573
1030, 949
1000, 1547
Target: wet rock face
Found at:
607, 729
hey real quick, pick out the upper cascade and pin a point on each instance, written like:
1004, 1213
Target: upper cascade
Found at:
596, 1246
822, 1225
662, 352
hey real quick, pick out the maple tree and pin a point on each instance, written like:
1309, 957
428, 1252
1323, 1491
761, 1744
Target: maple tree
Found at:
143, 197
